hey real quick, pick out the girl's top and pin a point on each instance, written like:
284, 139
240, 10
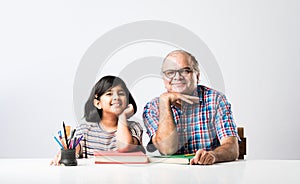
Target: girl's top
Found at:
95, 138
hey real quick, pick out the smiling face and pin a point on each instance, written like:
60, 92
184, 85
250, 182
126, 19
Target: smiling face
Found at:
185, 79
113, 101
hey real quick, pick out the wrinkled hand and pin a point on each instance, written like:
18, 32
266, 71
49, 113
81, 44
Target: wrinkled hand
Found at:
176, 98
203, 157
56, 159
129, 111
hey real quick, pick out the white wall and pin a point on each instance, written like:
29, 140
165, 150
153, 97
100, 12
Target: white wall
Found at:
256, 45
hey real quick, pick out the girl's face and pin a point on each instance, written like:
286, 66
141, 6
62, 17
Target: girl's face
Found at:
113, 101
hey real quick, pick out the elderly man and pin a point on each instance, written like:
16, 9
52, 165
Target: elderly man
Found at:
190, 118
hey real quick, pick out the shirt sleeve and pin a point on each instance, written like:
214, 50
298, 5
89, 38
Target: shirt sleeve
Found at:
225, 124
151, 117
81, 129
136, 130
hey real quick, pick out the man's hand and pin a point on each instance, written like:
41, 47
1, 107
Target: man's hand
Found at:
176, 98
227, 151
203, 157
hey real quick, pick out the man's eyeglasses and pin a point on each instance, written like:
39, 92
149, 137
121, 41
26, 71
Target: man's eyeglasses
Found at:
183, 72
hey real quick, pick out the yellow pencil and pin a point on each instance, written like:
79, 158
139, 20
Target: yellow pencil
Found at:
191, 154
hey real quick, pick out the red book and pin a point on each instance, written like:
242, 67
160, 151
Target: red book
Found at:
115, 157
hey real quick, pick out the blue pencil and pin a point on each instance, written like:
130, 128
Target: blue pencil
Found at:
78, 141
59, 134
58, 142
74, 143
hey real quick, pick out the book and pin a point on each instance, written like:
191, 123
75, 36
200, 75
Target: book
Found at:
171, 159
115, 157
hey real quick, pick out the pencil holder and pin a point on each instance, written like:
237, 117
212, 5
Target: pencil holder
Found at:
68, 157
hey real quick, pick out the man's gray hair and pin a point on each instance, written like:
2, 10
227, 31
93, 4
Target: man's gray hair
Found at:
189, 57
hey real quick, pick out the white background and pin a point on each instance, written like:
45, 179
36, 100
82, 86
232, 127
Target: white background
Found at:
256, 44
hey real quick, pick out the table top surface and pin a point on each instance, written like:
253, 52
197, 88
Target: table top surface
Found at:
240, 171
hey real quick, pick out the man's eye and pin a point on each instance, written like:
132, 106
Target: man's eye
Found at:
170, 73
186, 71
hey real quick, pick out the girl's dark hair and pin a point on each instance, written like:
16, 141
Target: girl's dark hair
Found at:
91, 113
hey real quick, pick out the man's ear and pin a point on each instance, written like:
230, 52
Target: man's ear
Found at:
198, 77
97, 103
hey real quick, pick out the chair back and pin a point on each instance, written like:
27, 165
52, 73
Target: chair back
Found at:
242, 144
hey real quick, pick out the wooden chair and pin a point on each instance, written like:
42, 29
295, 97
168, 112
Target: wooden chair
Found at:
242, 144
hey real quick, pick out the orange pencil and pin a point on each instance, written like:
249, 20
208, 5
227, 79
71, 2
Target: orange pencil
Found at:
63, 143
68, 130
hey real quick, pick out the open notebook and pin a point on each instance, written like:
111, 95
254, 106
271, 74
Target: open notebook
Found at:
171, 159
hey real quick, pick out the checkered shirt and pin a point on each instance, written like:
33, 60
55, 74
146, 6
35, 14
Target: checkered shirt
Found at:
200, 125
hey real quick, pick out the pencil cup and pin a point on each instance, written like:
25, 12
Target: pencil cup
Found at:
68, 157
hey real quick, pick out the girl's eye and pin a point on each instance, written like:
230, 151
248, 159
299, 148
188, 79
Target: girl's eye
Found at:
121, 93
109, 94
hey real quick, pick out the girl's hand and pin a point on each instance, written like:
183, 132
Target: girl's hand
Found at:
56, 159
129, 111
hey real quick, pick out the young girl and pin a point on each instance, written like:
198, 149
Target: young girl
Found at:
106, 128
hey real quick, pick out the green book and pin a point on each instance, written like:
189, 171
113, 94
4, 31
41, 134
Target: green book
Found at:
171, 159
